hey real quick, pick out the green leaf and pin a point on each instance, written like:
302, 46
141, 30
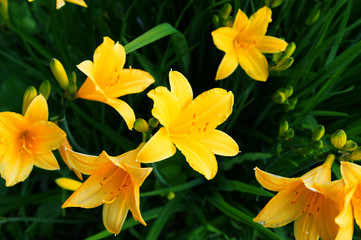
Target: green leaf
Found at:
232, 185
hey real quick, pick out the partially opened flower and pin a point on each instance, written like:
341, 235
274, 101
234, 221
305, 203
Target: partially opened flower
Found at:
113, 181
244, 43
28, 140
107, 79
190, 125
304, 201
61, 3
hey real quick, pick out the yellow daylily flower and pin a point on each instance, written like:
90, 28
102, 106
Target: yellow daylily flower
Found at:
107, 79
113, 181
62, 151
68, 183
244, 43
28, 140
190, 125
303, 200
61, 3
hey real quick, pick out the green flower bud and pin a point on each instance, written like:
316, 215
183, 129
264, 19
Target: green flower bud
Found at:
350, 145
29, 95
318, 133
291, 47
276, 3
338, 139
291, 104
288, 91
215, 21
290, 133
59, 73
170, 196
284, 64
283, 128
356, 154
317, 144
45, 89
279, 97
225, 10
72, 88
153, 122
140, 125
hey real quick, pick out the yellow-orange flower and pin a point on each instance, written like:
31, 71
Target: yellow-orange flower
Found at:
305, 201
107, 79
244, 43
62, 151
190, 125
61, 3
28, 140
113, 181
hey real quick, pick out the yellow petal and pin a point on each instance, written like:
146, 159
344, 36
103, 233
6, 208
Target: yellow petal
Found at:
254, 63
78, 2
269, 44
220, 143
351, 173
305, 228
120, 55
318, 177
241, 21
356, 204
227, 66
152, 152
45, 136
11, 126
132, 197
46, 161
62, 151
91, 91
199, 157
124, 110
325, 220
86, 164
273, 182
346, 223
223, 38
37, 110
87, 67
114, 214
128, 158
68, 184
181, 88
59, 3
259, 21
104, 60
137, 175
166, 108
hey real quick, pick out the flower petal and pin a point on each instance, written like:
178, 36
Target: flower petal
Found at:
104, 60
62, 151
346, 224
68, 184
199, 157
240, 22
124, 110
269, 44
227, 66
181, 88
305, 228
87, 67
274, 182
37, 110
356, 204
114, 214
86, 164
59, 3
259, 21
158, 148
351, 173
325, 220
223, 38
219, 143
78, 2
137, 175
46, 161
133, 199
254, 63
11, 126
120, 55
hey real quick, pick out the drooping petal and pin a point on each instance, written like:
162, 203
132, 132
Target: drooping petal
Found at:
11, 126
137, 175
114, 214
120, 55
124, 110
254, 63
273, 182
37, 110
46, 161
199, 157
219, 143
325, 219
78, 2
128, 158
351, 173
223, 38
345, 223
241, 21
269, 44
158, 148
59, 4
62, 151
132, 196
180, 87
86, 164
259, 21
227, 66
87, 67
305, 228
104, 60
68, 184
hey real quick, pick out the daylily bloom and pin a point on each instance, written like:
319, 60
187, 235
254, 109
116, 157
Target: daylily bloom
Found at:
62, 151
113, 181
61, 3
107, 79
304, 201
190, 125
28, 140
244, 43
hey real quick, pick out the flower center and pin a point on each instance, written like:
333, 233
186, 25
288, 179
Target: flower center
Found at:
26, 143
243, 43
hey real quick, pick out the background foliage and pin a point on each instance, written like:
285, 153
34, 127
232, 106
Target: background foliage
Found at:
176, 35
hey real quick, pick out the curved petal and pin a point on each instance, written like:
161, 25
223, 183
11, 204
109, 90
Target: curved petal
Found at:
46, 161
269, 44
11, 126
356, 204
133, 199
86, 164
129, 158
273, 182
259, 21
104, 60
219, 143
120, 55
124, 110
181, 88
68, 184
351, 173
158, 148
241, 21
166, 108
325, 220
87, 67
346, 224
60, 3
254, 63
78, 2
227, 66
223, 38
305, 228
137, 175
37, 110
62, 151
199, 157
114, 214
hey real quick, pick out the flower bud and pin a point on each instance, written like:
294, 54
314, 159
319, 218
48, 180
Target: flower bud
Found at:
291, 104
318, 133
59, 73
153, 122
68, 184
283, 128
140, 125
215, 21
72, 88
291, 47
284, 64
29, 95
170, 195
45, 89
288, 91
356, 154
290, 133
225, 11
350, 145
4, 11
317, 144
279, 97
338, 138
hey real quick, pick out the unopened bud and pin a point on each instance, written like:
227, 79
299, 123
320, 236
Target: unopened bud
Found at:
338, 139
284, 64
350, 145
291, 104
290, 133
68, 184
356, 154
283, 128
279, 97
170, 195
140, 125
225, 10
29, 95
153, 122
291, 47
288, 91
317, 144
318, 133
72, 88
215, 21
45, 89
59, 73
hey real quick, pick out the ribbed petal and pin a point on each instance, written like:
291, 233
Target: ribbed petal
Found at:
181, 88
269, 44
254, 63
346, 224
124, 110
87, 67
241, 21
273, 182
59, 3
133, 199
62, 151
120, 55
305, 228
259, 21
223, 38
158, 148
68, 184
325, 220
219, 143
11, 126
114, 214
199, 157
78, 2
166, 108
46, 161
104, 61
86, 164
37, 110
227, 66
